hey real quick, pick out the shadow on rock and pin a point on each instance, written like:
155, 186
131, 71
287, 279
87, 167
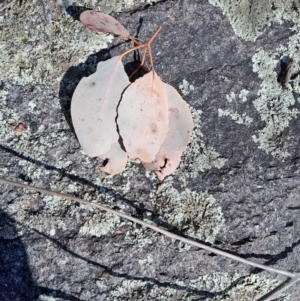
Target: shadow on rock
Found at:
15, 276
75, 11
16, 283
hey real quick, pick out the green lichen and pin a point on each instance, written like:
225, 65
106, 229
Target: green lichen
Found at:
24, 40
249, 19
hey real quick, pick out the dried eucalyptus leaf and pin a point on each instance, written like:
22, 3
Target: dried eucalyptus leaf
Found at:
143, 117
99, 22
94, 106
180, 130
117, 159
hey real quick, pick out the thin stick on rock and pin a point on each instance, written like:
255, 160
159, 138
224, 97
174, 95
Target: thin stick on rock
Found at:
157, 229
7, 5
280, 289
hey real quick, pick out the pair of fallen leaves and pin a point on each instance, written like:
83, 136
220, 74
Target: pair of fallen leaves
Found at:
114, 118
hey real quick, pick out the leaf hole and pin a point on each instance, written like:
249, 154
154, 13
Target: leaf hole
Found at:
105, 162
165, 163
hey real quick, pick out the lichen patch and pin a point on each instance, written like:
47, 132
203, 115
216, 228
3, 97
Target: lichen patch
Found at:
198, 156
185, 87
196, 214
273, 105
249, 19
100, 224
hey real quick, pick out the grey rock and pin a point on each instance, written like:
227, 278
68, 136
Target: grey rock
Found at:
236, 188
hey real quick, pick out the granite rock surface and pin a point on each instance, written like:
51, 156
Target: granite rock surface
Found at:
237, 187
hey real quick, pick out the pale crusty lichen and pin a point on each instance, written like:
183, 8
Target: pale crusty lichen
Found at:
273, 105
243, 95
185, 87
44, 297
239, 118
235, 116
230, 97
198, 156
107, 6
101, 224
50, 47
197, 214
274, 102
249, 19
220, 286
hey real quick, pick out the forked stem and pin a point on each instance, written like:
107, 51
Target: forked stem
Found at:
132, 49
147, 48
154, 35
133, 39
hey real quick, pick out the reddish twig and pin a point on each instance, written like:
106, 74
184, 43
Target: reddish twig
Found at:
140, 66
147, 49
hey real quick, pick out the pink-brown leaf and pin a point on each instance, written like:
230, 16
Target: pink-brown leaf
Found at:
143, 117
117, 159
180, 130
94, 106
99, 22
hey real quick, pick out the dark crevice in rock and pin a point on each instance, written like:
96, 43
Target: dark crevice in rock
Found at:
244, 241
289, 224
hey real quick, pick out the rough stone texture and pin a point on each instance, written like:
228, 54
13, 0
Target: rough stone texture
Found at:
238, 183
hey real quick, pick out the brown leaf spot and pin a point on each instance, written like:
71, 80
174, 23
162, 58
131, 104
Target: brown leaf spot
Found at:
153, 128
173, 111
